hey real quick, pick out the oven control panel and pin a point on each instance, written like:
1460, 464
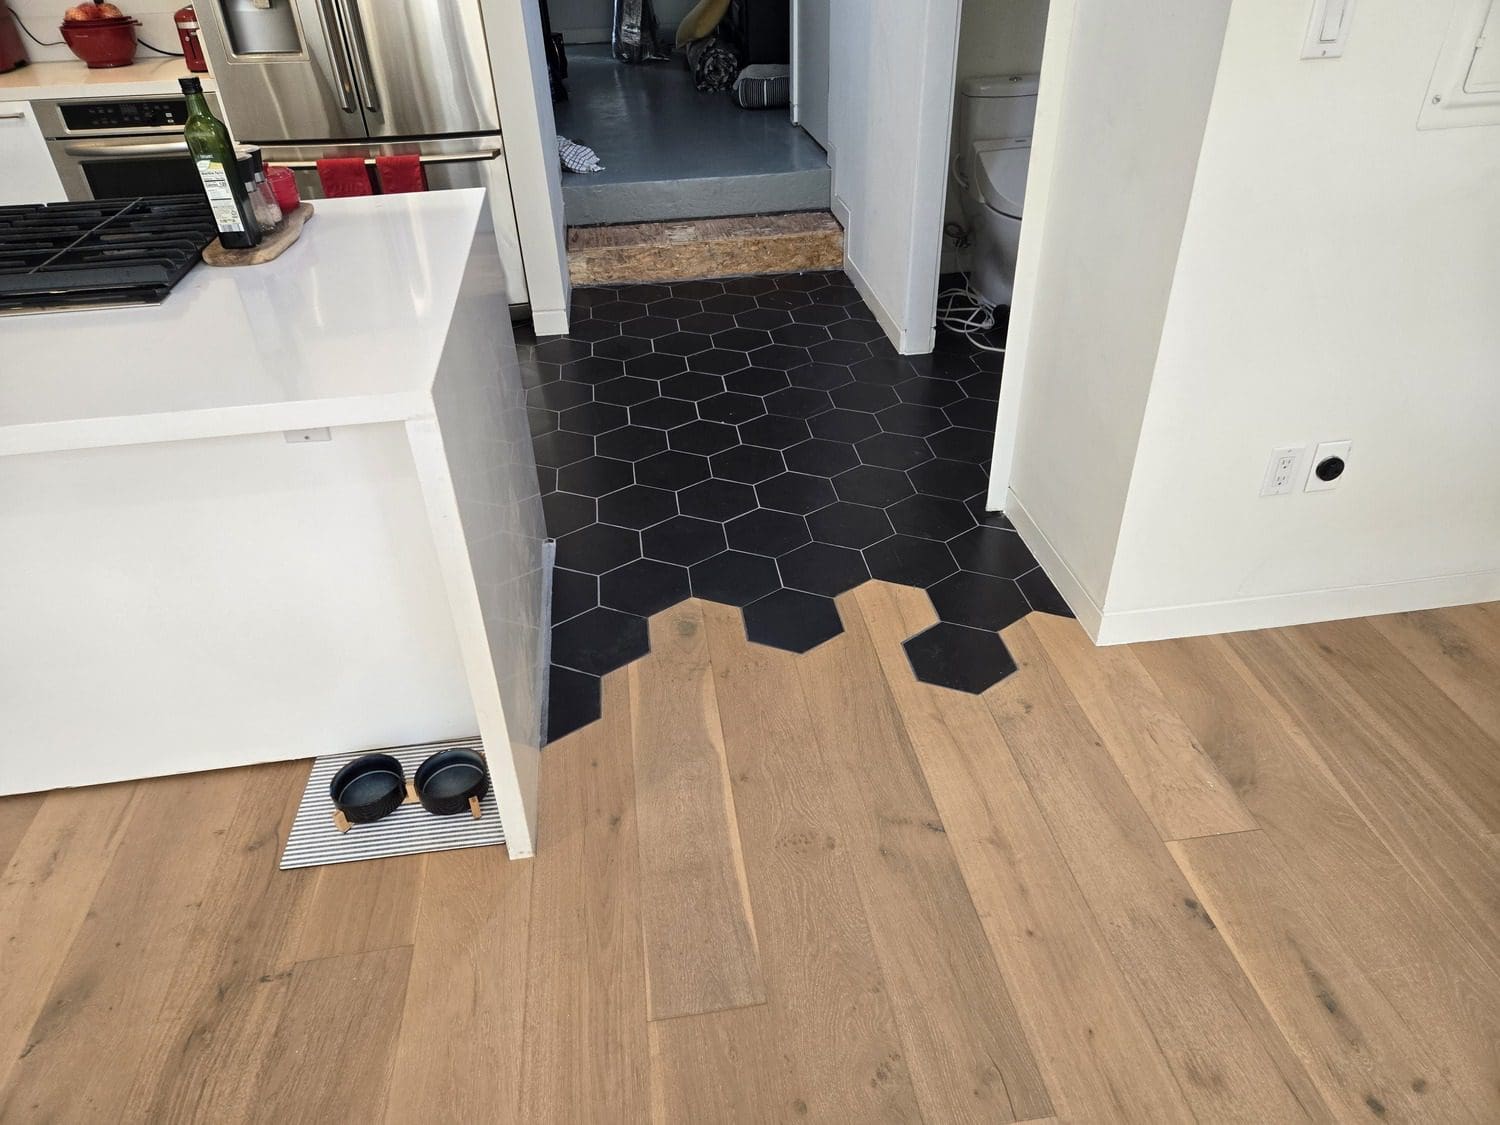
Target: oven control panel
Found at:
119, 115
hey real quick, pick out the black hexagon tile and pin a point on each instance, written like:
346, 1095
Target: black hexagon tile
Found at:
957, 657
757, 442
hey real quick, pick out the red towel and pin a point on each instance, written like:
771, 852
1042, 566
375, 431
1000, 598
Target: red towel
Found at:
400, 174
344, 176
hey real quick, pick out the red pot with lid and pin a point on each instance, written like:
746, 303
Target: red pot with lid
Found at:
102, 43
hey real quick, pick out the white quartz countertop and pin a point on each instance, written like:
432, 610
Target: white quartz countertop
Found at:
146, 77
344, 328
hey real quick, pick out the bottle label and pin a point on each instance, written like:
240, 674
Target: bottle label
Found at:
220, 195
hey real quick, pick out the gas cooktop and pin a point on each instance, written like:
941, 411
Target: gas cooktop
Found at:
104, 253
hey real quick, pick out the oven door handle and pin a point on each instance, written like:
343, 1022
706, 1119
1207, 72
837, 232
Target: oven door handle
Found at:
126, 148
439, 158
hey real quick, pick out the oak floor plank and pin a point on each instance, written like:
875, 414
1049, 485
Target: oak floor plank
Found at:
965, 1048
1230, 1059
1434, 836
46, 891
839, 1053
1459, 650
331, 1056
460, 1050
715, 1067
1431, 725
1359, 1051
220, 1014
78, 1065
16, 815
1439, 983
1097, 1053
586, 1051
695, 914
360, 907
1174, 780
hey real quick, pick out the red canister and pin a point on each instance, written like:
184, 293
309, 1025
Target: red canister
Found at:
187, 34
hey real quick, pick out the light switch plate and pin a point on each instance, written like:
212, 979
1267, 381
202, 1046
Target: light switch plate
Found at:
1328, 29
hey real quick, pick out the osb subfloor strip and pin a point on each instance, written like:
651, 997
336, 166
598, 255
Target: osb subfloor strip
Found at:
700, 248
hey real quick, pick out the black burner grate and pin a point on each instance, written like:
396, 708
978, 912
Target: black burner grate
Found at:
104, 252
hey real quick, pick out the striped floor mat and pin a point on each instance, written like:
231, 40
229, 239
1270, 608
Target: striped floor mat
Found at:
314, 840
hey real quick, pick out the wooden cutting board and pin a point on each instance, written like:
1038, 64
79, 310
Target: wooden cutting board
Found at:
271, 247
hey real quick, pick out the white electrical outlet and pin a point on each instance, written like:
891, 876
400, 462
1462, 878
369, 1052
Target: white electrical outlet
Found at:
1283, 471
1329, 461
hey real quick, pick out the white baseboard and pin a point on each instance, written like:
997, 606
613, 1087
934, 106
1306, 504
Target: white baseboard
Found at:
907, 343
1084, 608
550, 322
1270, 611
1274, 611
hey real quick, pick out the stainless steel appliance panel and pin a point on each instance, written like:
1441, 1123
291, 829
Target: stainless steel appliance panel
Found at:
105, 148
421, 66
271, 95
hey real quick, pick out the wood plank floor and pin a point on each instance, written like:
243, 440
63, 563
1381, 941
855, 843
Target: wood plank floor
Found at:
1248, 878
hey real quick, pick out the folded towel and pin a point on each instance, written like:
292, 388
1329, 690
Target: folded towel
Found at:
577, 157
343, 176
399, 174
714, 64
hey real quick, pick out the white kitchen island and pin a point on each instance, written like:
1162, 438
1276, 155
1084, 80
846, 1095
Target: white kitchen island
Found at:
291, 511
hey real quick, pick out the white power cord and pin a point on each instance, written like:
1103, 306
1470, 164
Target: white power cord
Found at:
963, 310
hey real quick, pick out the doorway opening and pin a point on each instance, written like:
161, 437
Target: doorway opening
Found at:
674, 139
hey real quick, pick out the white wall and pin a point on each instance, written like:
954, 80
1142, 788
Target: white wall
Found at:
589, 21
1126, 110
890, 84
1335, 277
42, 17
1339, 278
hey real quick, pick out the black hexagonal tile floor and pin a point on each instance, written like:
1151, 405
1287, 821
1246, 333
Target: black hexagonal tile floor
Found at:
643, 587
909, 561
795, 492
980, 601
766, 532
792, 620
957, 657
672, 469
630, 443
717, 500
849, 525
563, 513
734, 578
598, 548
636, 506
758, 442
683, 540
748, 464
870, 484
599, 641
930, 517
822, 568
703, 437
594, 476
993, 551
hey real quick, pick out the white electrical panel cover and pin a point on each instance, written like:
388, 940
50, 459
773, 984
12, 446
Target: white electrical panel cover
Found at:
1465, 87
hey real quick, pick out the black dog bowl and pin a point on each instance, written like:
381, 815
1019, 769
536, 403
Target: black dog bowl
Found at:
368, 788
447, 780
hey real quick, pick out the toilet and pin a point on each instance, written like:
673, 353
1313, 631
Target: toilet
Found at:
995, 115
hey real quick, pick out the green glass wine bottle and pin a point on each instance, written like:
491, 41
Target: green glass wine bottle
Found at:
213, 152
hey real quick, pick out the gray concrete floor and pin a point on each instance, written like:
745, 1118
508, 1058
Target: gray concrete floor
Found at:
670, 152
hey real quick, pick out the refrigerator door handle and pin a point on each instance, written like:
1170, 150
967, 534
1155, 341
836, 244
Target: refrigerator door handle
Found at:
360, 49
338, 52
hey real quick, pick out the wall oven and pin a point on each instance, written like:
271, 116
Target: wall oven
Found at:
106, 148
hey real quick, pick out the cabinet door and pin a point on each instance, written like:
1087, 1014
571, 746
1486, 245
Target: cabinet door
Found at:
27, 174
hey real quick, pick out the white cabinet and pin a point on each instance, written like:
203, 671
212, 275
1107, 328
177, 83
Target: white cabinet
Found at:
27, 174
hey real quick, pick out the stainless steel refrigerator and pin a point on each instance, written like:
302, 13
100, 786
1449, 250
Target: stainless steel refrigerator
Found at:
307, 79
